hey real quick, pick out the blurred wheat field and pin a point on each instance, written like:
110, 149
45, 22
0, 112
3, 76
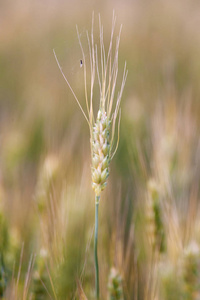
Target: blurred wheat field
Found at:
149, 228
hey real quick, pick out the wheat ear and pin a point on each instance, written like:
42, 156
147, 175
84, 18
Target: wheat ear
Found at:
102, 130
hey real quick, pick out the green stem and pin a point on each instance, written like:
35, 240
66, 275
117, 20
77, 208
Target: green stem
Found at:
97, 198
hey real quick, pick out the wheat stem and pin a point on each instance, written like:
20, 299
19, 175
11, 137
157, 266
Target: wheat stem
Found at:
97, 198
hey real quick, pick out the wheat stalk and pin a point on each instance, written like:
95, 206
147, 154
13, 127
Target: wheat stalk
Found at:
102, 130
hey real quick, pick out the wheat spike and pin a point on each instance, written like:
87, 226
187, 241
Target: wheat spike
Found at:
102, 131
100, 150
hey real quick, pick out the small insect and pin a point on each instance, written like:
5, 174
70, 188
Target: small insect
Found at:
81, 63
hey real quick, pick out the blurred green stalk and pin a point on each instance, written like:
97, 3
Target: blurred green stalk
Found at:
97, 198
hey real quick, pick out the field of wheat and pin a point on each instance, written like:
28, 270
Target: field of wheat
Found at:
144, 132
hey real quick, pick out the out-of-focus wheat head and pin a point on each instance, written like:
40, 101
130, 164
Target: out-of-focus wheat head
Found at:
174, 144
170, 285
115, 286
154, 218
47, 173
191, 273
40, 277
174, 140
